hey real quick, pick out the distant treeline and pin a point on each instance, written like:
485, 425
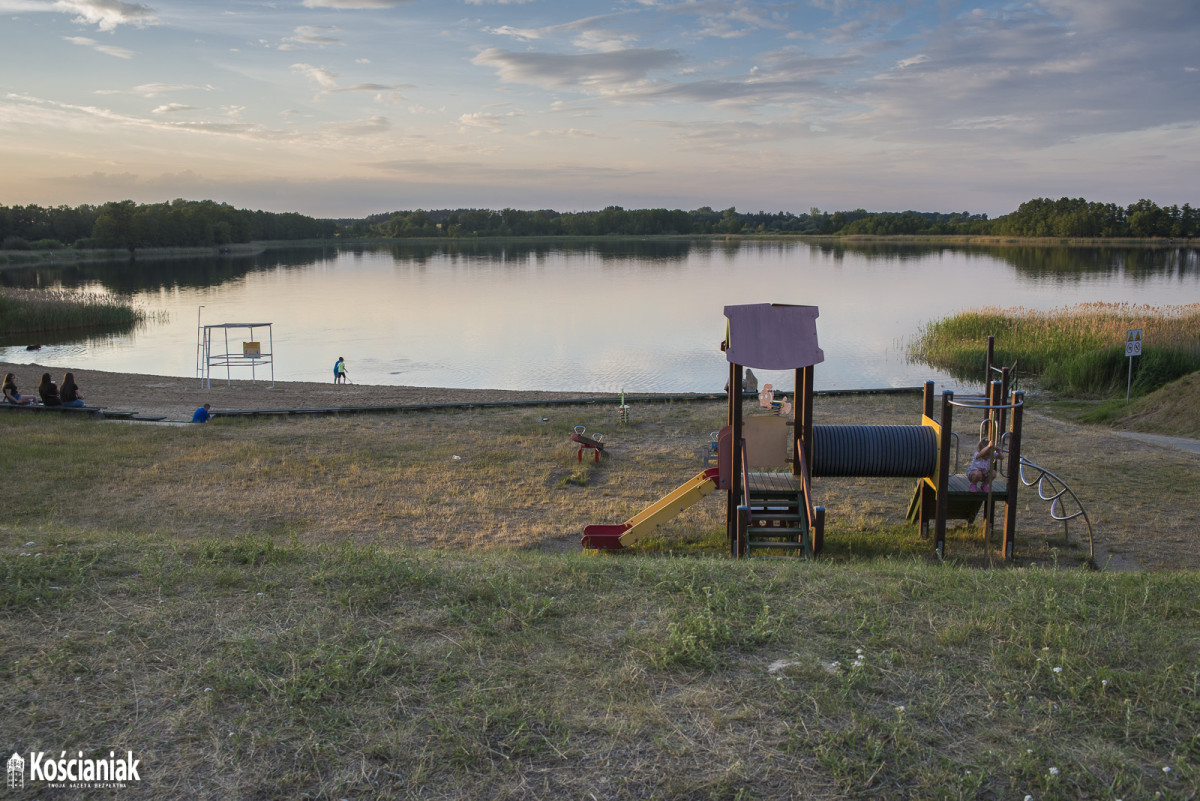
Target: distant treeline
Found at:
187, 223
127, 225
1074, 218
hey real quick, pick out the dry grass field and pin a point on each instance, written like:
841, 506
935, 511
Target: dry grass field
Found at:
396, 606
509, 478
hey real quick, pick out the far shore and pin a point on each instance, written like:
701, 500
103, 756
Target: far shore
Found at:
13, 259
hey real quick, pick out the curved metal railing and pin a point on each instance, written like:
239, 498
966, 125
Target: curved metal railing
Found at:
1064, 503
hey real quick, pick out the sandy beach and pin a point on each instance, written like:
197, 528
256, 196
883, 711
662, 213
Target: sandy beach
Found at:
175, 398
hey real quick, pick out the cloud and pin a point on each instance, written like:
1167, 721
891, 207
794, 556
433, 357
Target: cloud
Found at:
324, 78
354, 4
372, 87
90, 120
364, 127
23, 6
589, 33
1038, 75
485, 120
327, 81
311, 35
604, 72
171, 108
107, 14
150, 90
569, 133
108, 50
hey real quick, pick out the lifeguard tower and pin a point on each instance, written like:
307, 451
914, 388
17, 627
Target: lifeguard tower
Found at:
216, 351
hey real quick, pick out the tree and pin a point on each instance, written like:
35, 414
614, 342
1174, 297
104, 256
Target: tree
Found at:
114, 226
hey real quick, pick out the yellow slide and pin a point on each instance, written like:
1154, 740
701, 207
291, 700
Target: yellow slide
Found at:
645, 522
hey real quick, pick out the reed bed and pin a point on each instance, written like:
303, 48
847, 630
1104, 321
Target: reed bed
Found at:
36, 311
1076, 350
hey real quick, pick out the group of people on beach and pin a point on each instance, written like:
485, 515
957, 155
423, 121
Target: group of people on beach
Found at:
50, 394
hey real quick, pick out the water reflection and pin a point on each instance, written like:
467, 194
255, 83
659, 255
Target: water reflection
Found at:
596, 314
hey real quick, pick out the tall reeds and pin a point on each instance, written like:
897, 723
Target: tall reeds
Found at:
35, 311
1075, 350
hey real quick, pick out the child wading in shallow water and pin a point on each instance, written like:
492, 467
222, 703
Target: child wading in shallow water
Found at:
980, 470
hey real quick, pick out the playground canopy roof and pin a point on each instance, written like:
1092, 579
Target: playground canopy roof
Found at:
772, 336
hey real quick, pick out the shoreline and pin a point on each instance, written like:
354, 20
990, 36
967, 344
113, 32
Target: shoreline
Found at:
175, 397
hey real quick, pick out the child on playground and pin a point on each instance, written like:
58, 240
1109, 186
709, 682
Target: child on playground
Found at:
980, 470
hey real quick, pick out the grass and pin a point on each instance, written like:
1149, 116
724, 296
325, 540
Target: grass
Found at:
332, 608
255, 670
1076, 350
43, 311
1173, 410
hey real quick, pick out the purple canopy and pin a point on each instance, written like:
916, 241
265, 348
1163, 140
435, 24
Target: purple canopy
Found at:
772, 336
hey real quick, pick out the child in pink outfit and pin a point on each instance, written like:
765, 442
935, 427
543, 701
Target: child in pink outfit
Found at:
980, 470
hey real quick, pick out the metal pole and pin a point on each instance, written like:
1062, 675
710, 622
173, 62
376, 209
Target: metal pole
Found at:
199, 346
943, 482
731, 499
1129, 380
1013, 479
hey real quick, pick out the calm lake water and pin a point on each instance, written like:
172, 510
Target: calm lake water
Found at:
638, 316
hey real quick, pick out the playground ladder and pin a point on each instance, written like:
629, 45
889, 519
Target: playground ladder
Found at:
778, 522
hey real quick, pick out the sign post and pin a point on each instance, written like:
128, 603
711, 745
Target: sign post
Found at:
1133, 347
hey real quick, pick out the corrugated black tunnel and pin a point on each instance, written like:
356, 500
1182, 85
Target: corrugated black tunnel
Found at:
909, 451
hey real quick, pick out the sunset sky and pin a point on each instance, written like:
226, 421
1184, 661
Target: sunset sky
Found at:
350, 107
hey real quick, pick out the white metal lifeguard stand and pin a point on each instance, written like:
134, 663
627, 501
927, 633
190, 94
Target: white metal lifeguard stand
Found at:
251, 353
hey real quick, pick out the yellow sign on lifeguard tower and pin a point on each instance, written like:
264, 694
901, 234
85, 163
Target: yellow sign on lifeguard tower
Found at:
251, 350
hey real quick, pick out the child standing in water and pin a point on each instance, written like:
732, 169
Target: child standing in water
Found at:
980, 470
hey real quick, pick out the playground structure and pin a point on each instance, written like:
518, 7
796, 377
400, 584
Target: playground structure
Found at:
592, 443
766, 463
250, 355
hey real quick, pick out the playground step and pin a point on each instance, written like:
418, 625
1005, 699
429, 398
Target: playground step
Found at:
790, 517
774, 530
772, 497
758, 505
775, 546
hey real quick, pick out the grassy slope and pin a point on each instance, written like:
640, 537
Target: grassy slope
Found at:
245, 668
249, 607
1173, 410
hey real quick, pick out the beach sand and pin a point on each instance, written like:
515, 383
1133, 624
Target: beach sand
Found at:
175, 398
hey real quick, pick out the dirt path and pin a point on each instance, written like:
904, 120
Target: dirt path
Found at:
1180, 443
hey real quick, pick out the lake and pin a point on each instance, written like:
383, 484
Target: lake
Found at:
600, 316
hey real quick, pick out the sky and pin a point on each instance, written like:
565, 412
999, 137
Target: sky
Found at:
344, 108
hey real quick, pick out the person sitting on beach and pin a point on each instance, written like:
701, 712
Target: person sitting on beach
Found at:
202, 414
49, 391
69, 392
11, 395
980, 470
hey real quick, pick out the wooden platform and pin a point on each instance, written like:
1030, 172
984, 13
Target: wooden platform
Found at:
97, 412
961, 503
90, 411
959, 485
773, 484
